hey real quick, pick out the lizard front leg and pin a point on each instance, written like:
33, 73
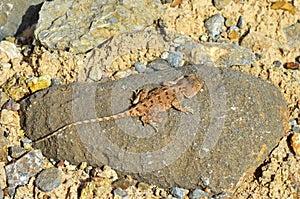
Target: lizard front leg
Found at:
141, 95
176, 105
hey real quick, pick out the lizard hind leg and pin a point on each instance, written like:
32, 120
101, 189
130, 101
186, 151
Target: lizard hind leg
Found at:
153, 120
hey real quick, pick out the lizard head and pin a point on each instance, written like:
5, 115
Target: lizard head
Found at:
194, 84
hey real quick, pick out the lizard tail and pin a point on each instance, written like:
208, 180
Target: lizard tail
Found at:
88, 121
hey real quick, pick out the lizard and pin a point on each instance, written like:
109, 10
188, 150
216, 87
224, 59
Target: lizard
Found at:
149, 103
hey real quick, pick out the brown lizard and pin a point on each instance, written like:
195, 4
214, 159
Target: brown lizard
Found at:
148, 104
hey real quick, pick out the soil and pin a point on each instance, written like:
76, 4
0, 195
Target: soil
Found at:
262, 32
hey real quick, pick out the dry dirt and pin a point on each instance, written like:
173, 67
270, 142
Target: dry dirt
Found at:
279, 175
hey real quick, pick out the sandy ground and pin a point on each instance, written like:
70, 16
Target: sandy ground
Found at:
262, 32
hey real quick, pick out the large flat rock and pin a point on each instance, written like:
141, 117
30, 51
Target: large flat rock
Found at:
237, 121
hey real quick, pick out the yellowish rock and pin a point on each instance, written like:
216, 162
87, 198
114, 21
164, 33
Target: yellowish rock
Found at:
97, 188
295, 143
9, 117
39, 83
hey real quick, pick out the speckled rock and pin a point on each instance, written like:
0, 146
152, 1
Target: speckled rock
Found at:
82, 25
49, 179
236, 123
218, 53
19, 172
14, 15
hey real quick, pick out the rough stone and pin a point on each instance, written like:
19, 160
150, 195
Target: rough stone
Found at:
178, 192
214, 26
218, 53
3, 98
10, 50
82, 25
175, 59
121, 193
159, 64
49, 179
14, 16
16, 151
19, 172
198, 193
241, 115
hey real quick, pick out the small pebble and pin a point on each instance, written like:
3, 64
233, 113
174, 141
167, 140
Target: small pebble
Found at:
11, 105
16, 151
49, 179
124, 73
120, 192
140, 67
6, 134
25, 142
95, 74
143, 186
277, 63
258, 56
214, 26
56, 81
178, 192
233, 32
292, 65
159, 64
204, 37
3, 98
83, 165
182, 39
175, 59
198, 193
240, 22
123, 183
39, 83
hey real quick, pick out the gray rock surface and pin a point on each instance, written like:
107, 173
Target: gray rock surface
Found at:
85, 24
14, 15
236, 122
49, 179
197, 193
